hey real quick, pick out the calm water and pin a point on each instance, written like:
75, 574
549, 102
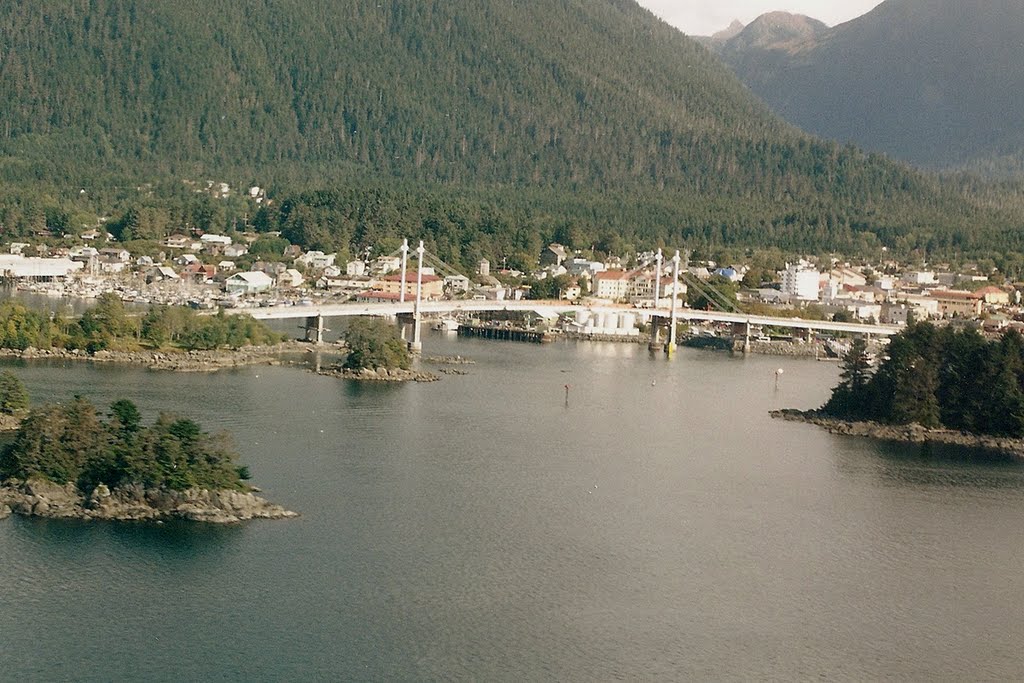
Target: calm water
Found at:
660, 526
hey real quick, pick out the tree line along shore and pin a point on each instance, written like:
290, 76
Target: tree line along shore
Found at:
943, 385
70, 461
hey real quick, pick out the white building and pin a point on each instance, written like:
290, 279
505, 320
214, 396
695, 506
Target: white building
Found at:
801, 282
355, 268
211, 239
248, 283
920, 277
317, 260
33, 267
612, 285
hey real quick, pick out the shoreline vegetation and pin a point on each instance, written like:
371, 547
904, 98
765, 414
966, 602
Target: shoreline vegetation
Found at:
376, 354
941, 385
172, 338
66, 461
172, 359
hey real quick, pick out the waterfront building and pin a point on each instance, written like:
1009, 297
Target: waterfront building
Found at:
248, 283
34, 268
433, 286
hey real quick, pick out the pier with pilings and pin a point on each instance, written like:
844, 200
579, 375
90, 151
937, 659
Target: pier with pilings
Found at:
506, 333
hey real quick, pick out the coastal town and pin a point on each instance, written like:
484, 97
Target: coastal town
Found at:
249, 269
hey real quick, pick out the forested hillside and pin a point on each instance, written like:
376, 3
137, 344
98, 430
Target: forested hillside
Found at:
502, 118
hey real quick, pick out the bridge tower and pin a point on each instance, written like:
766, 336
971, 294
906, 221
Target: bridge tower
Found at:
670, 347
657, 279
655, 320
405, 257
416, 346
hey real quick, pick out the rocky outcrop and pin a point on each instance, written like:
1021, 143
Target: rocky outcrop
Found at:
11, 423
381, 375
448, 360
42, 498
178, 361
911, 433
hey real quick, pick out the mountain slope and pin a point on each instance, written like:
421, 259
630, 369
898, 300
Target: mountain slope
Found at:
592, 109
935, 82
494, 91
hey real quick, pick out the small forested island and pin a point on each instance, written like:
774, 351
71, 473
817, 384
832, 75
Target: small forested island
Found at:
942, 385
66, 461
377, 354
166, 337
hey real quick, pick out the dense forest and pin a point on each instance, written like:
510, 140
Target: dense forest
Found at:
937, 377
488, 127
72, 443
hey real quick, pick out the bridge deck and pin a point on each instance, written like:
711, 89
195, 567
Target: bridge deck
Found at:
551, 309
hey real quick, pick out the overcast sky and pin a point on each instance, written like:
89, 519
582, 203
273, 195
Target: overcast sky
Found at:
704, 17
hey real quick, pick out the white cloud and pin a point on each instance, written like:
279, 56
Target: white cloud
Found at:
704, 17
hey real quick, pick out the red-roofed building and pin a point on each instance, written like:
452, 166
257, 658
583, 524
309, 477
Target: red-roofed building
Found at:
994, 296
373, 296
433, 286
956, 303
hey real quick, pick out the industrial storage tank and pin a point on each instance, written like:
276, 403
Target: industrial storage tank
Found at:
627, 322
598, 322
582, 317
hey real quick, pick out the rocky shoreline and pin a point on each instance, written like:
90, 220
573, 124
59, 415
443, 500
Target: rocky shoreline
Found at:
177, 361
40, 498
448, 360
380, 375
912, 433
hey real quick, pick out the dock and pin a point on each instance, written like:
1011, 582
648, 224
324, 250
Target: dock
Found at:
505, 333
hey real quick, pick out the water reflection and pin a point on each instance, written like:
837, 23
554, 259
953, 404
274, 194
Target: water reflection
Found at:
928, 465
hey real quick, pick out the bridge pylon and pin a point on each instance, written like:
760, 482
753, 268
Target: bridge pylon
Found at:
416, 346
315, 329
670, 347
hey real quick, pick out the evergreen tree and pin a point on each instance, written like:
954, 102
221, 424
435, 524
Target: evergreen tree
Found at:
13, 397
850, 396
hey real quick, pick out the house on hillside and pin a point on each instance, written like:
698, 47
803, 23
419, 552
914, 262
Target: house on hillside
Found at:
552, 255
290, 279
177, 242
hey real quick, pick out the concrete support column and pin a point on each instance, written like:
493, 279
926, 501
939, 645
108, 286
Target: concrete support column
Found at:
656, 324
416, 346
657, 280
405, 258
670, 348
315, 329
746, 338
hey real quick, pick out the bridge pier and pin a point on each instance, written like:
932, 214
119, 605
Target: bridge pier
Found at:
655, 344
315, 329
746, 338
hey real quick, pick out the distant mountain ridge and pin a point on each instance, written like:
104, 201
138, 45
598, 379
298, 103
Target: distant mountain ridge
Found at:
937, 83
